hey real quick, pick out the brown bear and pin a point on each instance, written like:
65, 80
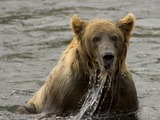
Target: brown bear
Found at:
98, 45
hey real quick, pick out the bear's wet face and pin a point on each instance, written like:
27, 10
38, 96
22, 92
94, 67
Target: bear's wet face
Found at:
106, 40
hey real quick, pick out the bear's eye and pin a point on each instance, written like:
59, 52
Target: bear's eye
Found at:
114, 38
95, 39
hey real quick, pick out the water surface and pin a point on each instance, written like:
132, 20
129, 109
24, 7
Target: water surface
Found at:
34, 33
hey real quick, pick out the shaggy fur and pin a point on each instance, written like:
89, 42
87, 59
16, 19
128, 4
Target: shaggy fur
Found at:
88, 52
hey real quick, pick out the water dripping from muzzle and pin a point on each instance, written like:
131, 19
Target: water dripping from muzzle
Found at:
93, 96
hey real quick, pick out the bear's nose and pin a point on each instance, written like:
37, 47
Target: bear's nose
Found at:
108, 56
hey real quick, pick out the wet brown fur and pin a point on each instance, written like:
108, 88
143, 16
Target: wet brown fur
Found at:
69, 80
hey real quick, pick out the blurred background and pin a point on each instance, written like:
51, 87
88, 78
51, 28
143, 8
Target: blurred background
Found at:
34, 33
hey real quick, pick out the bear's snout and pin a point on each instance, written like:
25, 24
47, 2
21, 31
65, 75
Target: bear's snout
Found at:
108, 59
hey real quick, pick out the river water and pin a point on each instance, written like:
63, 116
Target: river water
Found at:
34, 33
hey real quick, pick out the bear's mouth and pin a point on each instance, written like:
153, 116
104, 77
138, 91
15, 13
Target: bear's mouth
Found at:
108, 67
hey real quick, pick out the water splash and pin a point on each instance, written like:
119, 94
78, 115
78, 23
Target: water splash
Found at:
105, 95
92, 97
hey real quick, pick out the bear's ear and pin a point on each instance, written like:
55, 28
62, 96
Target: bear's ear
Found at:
77, 24
126, 25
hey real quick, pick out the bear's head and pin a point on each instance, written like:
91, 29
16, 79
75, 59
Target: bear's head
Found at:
104, 42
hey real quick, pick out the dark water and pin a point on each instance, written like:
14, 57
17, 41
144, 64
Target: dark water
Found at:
34, 33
